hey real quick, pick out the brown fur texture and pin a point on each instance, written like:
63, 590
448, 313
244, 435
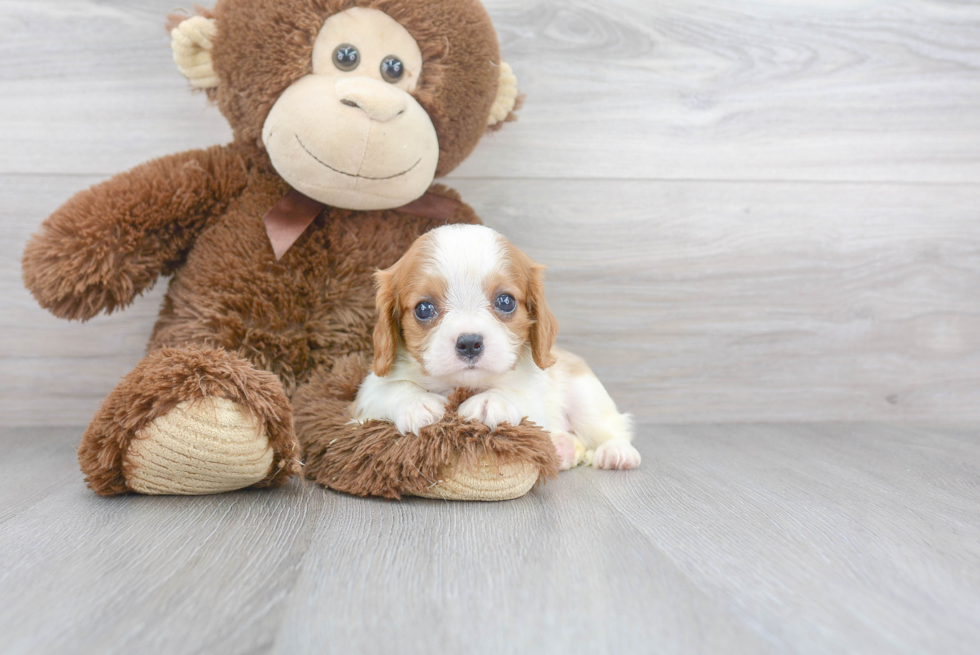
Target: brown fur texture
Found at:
295, 315
373, 459
233, 313
107, 245
163, 380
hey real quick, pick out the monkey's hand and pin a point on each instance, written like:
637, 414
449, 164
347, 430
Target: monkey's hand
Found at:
111, 242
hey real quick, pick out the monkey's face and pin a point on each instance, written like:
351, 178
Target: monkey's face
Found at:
350, 134
356, 103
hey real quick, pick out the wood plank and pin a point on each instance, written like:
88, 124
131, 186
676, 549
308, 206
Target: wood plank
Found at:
44, 464
676, 89
87, 574
879, 526
557, 571
729, 539
91, 88
695, 302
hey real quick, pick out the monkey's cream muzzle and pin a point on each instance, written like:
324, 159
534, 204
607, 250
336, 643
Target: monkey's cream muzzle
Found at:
352, 142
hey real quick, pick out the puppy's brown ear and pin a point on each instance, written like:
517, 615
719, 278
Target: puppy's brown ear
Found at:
544, 330
386, 331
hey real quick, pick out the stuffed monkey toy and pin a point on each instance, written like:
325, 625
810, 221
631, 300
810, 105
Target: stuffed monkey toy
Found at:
344, 112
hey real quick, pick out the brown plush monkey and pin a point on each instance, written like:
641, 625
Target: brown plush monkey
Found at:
343, 114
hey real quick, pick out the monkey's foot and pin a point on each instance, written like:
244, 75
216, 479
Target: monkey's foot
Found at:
486, 481
191, 421
200, 447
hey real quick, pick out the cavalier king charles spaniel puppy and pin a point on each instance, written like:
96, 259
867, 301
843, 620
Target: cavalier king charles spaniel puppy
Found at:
465, 308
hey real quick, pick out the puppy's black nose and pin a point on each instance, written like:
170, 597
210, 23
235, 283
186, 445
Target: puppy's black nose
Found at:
469, 346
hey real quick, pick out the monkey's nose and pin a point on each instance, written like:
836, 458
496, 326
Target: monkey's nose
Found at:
379, 100
469, 346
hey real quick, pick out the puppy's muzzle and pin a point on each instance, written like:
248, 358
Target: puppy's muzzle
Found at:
469, 347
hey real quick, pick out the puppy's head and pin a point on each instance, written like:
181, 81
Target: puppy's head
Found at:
466, 304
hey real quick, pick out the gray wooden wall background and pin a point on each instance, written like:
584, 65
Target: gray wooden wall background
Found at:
752, 211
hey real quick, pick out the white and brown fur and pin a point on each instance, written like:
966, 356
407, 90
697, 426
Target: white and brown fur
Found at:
462, 270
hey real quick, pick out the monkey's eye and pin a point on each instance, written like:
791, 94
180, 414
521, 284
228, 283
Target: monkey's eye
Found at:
424, 311
346, 57
392, 69
505, 303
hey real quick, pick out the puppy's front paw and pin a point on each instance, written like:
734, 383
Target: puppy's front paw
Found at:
420, 411
616, 454
491, 409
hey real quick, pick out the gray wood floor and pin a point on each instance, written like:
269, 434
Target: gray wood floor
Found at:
833, 538
761, 219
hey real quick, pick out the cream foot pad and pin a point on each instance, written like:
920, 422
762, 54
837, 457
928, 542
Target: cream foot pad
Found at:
201, 447
487, 481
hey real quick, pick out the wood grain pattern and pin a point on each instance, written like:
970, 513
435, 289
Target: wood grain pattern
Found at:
757, 90
729, 539
677, 89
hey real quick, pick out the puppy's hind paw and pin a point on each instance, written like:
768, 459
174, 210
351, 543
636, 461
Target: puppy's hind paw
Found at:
565, 445
616, 454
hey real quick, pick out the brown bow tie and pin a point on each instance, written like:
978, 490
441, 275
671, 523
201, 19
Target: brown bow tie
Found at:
289, 218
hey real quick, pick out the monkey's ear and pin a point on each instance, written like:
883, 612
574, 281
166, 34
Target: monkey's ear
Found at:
507, 97
191, 41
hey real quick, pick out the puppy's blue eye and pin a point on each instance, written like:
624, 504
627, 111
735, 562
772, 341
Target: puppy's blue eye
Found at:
505, 303
424, 311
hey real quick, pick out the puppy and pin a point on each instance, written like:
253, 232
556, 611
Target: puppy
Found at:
465, 308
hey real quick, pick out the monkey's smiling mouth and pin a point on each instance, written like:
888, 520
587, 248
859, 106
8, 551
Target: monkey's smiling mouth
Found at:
363, 177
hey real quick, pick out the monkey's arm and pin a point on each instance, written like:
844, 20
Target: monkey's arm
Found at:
111, 242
